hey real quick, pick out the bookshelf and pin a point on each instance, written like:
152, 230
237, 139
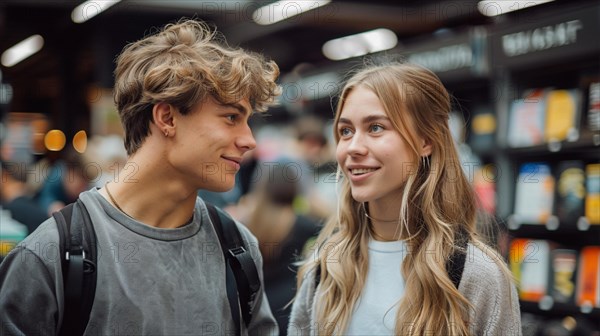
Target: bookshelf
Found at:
556, 56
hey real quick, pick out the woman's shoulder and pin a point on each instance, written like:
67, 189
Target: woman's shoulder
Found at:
483, 265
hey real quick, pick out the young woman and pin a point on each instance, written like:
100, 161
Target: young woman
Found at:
383, 263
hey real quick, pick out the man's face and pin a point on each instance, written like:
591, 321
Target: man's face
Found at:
210, 142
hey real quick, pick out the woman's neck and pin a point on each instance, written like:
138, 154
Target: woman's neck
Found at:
384, 221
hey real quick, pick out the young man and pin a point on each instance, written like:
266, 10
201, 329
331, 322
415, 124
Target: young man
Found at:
184, 99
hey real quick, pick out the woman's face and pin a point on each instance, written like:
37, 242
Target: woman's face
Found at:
373, 156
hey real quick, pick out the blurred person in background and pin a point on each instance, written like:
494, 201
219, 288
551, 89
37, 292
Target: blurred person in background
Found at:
107, 155
316, 161
66, 179
282, 233
384, 264
184, 98
15, 197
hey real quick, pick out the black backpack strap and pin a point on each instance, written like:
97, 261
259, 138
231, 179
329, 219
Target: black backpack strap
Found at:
78, 259
242, 276
456, 264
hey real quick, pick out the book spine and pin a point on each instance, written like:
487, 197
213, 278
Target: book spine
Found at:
570, 192
564, 264
588, 279
592, 198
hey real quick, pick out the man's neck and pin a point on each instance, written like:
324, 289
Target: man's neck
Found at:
148, 192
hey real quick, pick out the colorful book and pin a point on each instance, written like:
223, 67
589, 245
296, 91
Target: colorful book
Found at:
484, 184
570, 192
527, 119
562, 115
588, 277
482, 137
534, 197
564, 265
592, 197
529, 261
594, 107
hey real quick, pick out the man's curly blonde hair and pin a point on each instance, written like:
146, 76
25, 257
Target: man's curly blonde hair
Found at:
182, 65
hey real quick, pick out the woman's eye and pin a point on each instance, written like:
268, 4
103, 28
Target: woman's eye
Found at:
345, 132
376, 128
232, 117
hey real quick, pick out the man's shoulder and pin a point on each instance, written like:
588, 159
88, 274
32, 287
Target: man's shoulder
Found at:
45, 234
43, 243
249, 239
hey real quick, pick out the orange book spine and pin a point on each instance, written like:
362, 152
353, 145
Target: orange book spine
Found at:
589, 277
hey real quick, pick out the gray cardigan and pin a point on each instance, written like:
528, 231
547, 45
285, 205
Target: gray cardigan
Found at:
494, 299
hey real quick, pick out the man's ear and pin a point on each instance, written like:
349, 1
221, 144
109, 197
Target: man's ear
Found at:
164, 115
425, 148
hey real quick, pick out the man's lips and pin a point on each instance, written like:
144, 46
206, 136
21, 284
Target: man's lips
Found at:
234, 161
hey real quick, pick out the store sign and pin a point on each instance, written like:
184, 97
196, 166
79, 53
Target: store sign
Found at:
462, 56
444, 59
547, 39
523, 42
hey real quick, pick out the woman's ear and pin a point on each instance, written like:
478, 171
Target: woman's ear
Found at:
164, 115
425, 148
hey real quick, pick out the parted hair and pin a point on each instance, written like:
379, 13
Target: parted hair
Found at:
437, 202
182, 65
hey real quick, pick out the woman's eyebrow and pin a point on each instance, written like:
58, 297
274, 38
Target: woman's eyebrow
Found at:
366, 119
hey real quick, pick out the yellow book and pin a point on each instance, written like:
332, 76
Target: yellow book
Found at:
562, 108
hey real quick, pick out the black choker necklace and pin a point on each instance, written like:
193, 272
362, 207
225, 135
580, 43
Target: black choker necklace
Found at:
377, 220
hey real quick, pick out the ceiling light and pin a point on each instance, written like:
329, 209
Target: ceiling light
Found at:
360, 44
22, 50
284, 9
90, 8
495, 7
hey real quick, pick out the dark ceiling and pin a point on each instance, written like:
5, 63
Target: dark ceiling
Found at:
78, 55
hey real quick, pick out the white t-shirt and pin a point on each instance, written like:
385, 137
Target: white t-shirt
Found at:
375, 310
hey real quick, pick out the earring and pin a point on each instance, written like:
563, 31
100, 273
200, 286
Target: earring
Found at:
166, 133
425, 161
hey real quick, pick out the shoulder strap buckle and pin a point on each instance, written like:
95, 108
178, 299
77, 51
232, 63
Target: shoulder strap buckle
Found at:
79, 251
237, 251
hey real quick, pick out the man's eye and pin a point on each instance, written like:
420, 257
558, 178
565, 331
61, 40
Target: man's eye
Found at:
232, 117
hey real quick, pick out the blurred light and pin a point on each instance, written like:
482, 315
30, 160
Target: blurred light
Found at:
495, 7
55, 140
360, 44
22, 50
284, 9
80, 141
90, 8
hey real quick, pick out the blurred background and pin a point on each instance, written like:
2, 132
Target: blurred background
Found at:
525, 80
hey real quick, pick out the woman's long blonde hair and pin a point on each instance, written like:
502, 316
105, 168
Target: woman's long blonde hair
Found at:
437, 202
